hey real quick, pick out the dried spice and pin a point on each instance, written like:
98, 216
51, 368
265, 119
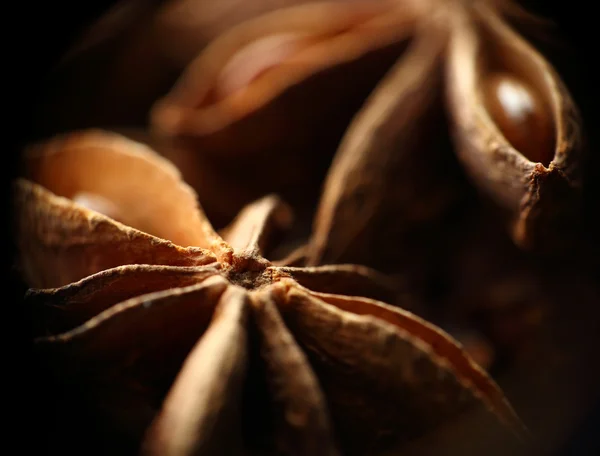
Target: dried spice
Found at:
159, 304
517, 130
393, 181
132, 55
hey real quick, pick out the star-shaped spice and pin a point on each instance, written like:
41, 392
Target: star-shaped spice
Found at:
193, 343
393, 180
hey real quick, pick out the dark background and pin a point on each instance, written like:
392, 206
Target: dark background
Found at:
36, 34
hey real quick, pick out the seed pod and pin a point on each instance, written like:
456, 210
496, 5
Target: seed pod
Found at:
132, 55
516, 129
248, 90
394, 177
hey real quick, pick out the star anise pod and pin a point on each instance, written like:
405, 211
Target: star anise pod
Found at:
131, 55
195, 344
515, 129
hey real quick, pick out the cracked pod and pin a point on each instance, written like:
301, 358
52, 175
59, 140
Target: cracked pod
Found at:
516, 129
515, 132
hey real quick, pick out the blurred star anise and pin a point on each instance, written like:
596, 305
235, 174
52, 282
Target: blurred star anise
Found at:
185, 342
393, 180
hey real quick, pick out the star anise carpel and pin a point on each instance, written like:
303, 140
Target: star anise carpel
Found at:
159, 324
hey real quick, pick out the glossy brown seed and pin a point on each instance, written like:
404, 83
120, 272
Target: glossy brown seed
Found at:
522, 116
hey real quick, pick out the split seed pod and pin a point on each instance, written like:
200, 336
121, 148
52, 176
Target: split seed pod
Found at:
194, 343
516, 129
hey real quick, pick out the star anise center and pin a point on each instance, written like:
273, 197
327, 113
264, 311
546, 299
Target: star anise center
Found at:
249, 271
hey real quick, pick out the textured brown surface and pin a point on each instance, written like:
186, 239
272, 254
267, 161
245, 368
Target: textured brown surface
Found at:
338, 376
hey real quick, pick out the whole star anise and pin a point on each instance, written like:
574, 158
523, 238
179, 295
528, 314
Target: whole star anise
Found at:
184, 342
393, 181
